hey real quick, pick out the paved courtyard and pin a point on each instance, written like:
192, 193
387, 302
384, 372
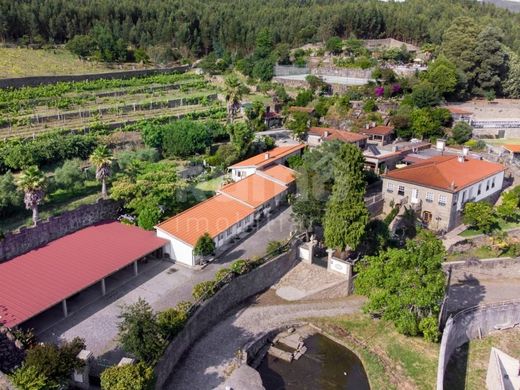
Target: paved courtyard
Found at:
161, 283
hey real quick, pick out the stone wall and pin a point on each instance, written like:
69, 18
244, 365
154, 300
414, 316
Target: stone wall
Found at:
342, 72
17, 243
214, 309
19, 82
4, 383
472, 323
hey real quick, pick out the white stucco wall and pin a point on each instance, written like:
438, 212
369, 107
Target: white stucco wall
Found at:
471, 192
240, 173
177, 250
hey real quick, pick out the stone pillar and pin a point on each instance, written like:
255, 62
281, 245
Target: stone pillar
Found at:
65, 308
136, 270
330, 252
81, 376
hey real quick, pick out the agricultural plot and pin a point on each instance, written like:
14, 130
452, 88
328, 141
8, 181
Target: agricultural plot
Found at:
112, 103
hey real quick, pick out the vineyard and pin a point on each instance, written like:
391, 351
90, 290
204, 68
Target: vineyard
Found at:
86, 105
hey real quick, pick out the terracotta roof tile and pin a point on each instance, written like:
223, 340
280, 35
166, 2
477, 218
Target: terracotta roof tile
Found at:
271, 156
254, 190
512, 148
379, 130
443, 171
214, 216
280, 173
330, 133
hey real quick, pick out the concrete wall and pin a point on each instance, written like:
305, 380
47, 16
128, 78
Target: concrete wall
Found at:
41, 80
471, 323
214, 309
342, 72
26, 239
4, 383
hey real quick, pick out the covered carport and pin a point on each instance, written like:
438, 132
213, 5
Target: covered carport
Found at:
48, 276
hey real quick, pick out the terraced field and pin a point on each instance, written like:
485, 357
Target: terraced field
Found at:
113, 103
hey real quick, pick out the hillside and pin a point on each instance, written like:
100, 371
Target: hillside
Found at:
20, 62
507, 4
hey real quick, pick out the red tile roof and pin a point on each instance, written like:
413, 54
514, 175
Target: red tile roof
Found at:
213, 216
446, 172
330, 133
280, 173
378, 130
34, 282
271, 156
512, 148
458, 110
253, 190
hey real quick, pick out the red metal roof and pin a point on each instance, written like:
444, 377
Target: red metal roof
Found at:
36, 281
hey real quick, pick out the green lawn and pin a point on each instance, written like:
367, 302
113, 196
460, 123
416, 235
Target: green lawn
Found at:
391, 360
211, 185
503, 226
483, 252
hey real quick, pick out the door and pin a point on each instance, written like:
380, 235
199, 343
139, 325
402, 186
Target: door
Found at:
415, 195
427, 217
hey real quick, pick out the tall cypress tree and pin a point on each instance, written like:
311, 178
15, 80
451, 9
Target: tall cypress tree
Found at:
346, 216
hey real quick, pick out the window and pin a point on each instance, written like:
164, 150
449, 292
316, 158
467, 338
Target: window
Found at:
443, 199
228, 232
220, 237
463, 196
429, 197
400, 190
487, 185
390, 187
493, 183
479, 191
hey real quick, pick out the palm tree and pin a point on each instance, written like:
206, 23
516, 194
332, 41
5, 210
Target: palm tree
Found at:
102, 159
234, 92
32, 183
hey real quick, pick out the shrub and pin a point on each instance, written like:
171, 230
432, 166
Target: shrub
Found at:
205, 246
139, 332
172, 320
480, 215
55, 363
70, 176
128, 377
429, 327
240, 267
274, 247
148, 217
28, 378
221, 274
204, 290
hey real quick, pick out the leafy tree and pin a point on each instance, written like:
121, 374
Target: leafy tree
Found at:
424, 124
10, 197
299, 123
308, 213
148, 186
384, 75
334, 45
32, 182
283, 54
443, 75
55, 363
264, 45
109, 48
462, 132
256, 116
28, 378
242, 137
70, 175
184, 138
315, 83
263, 69
424, 95
274, 247
512, 83
234, 91
491, 61
149, 216
128, 377
139, 332
509, 208
205, 246
204, 290
406, 286
346, 215
102, 159
81, 45
370, 105
480, 215
304, 97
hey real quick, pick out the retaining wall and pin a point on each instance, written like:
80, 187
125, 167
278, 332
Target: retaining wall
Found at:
28, 238
472, 323
215, 308
19, 82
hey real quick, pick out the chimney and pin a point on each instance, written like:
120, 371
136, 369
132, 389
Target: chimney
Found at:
441, 143
325, 134
266, 156
367, 126
465, 151
460, 159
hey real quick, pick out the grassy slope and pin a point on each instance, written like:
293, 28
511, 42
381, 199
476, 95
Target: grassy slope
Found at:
390, 359
20, 62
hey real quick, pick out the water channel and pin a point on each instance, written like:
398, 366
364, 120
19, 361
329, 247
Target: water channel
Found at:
325, 365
